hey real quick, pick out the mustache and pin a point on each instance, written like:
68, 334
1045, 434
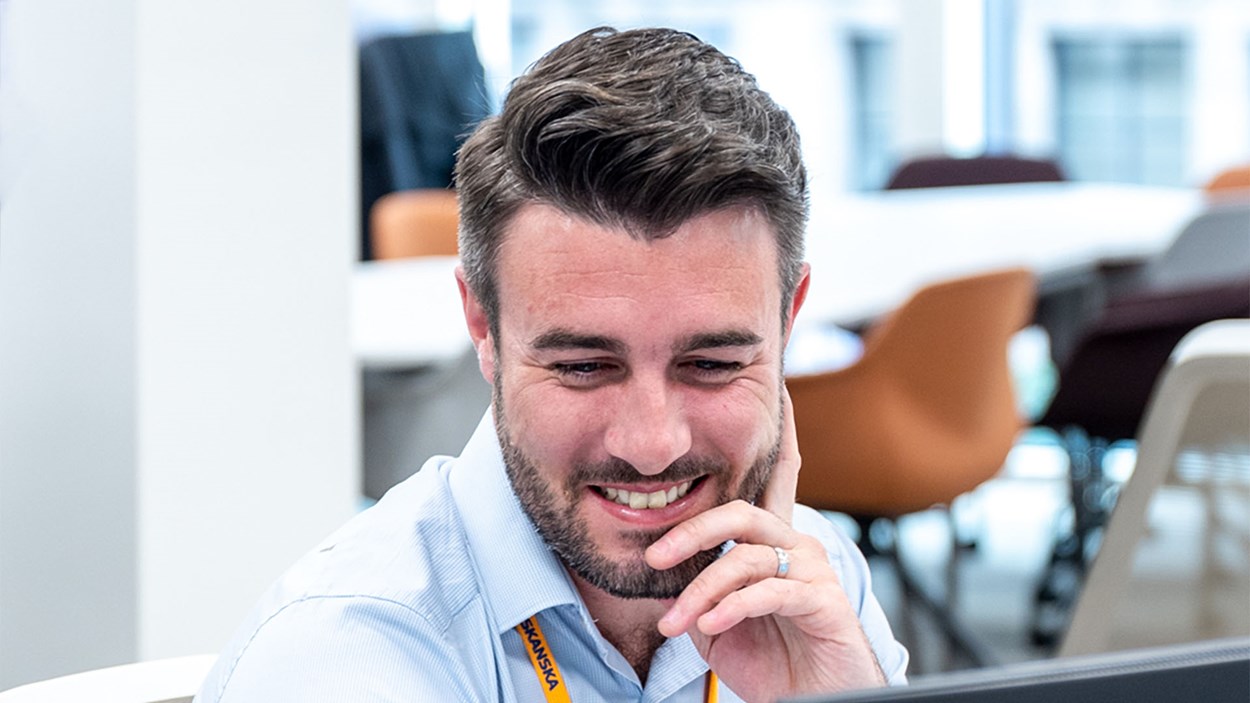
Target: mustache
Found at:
619, 471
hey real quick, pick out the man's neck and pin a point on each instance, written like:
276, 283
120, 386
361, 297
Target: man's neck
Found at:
629, 624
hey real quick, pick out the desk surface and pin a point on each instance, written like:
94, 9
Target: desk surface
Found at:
407, 313
868, 253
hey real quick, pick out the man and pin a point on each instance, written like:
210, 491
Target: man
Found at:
622, 524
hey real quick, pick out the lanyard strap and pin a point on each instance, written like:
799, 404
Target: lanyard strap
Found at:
552, 680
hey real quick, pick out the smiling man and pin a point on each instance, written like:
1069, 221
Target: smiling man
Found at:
622, 525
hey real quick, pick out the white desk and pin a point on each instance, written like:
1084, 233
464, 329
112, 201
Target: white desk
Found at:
868, 253
406, 313
173, 680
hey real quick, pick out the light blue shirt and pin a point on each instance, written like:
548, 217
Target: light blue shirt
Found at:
416, 599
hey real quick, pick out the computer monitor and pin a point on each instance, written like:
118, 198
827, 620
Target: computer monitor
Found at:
1204, 672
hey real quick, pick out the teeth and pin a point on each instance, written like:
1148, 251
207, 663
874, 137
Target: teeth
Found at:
642, 501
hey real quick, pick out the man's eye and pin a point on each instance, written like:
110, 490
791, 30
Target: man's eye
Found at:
586, 374
578, 368
711, 369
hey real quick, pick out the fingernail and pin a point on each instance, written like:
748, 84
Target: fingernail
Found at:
658, 550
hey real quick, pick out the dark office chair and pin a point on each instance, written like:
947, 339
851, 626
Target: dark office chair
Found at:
944, 171
1212, 247
420, 97
1104, 387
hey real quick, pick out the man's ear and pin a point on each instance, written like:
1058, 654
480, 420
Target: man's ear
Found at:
800, 295
479, 327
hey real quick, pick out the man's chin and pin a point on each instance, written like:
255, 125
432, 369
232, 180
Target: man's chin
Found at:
632, 579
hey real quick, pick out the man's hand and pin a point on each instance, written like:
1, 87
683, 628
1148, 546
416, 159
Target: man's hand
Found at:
767, 637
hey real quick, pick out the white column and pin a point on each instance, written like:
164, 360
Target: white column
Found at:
178, 411
918, 127
68, 354
940, 96
1220, 72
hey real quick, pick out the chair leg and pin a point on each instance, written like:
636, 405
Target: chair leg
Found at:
964, 541
954, 632
959, 639
1089, 506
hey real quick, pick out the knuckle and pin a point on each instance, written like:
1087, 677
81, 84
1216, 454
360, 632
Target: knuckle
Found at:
701, 589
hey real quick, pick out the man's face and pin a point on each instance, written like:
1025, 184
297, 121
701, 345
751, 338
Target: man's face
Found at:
637, 384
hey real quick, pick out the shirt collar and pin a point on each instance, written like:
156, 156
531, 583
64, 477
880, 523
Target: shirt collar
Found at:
520, 575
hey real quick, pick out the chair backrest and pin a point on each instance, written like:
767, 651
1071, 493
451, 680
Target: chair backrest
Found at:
173, 680
944, 171
1214, 246
420, 95
1105, 383
410, 223
1202, 397
1231, 180
927, 413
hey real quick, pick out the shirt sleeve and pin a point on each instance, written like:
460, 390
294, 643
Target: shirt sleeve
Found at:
348, 648
856, 579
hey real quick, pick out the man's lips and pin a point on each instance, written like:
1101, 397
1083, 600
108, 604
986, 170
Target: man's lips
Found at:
645, 498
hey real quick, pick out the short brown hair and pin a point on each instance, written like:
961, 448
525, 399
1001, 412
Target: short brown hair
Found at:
642, 130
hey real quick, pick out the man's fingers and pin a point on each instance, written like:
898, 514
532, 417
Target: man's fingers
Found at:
744, 565
779, 495
737, 521
780, 597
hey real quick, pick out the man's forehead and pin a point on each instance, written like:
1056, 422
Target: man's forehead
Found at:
741, 229
567, 283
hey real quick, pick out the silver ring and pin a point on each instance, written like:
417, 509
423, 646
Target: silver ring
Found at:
783, 562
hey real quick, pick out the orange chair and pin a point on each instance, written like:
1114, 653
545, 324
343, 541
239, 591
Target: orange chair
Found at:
1233, 181
411, 223
927, 414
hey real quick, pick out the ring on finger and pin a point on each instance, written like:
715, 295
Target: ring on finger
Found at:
783, 562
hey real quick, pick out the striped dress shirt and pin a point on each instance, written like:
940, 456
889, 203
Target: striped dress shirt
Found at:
417, 599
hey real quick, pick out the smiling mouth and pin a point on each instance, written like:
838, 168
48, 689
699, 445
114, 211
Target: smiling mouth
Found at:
639, 500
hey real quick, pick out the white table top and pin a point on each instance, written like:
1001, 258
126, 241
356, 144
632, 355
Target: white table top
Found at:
868, 253
407, 313
163, 679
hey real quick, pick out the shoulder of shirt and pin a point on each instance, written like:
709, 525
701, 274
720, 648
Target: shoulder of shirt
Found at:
408, 550
810, 521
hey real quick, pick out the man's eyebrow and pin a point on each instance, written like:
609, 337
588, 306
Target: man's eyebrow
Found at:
716, 340
558, 339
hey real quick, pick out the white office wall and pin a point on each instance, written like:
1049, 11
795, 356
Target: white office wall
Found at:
68, 396
178, 405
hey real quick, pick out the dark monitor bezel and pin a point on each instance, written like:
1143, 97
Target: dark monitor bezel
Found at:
1211, 672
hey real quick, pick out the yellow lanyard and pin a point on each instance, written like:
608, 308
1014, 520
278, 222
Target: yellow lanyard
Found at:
552, 680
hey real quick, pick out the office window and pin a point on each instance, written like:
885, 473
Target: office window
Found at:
1122, 109
873, 100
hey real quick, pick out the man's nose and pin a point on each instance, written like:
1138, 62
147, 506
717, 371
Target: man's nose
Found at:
649, 428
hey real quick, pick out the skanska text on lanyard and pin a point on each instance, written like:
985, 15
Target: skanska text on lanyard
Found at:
548, 672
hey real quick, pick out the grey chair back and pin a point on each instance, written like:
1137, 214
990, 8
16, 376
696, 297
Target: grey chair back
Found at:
1214, 247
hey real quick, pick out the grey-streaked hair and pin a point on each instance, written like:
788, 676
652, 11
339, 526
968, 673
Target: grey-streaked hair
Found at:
641, 130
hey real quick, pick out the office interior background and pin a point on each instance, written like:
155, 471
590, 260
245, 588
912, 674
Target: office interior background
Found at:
179, 227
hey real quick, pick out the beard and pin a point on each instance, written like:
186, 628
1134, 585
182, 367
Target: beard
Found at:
553, 510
